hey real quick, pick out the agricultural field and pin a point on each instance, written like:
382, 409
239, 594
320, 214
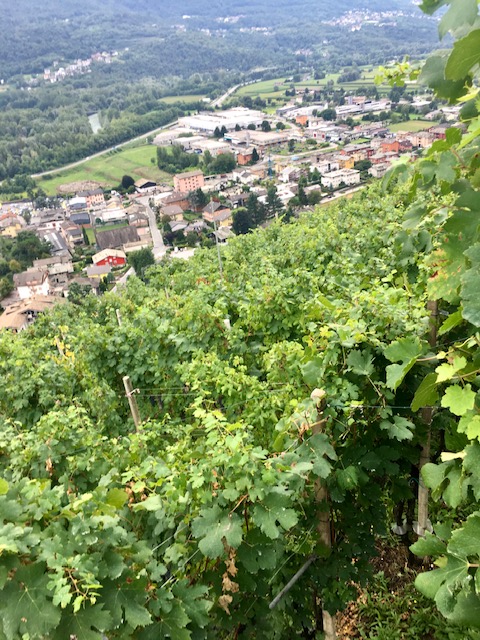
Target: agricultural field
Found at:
187, 98
412, 126
138, 161
275, 88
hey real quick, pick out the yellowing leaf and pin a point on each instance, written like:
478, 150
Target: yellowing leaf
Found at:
459, 399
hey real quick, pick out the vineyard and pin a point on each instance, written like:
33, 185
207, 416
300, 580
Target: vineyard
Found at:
286, 404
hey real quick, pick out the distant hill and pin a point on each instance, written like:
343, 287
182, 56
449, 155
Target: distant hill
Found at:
37, 32
272, 10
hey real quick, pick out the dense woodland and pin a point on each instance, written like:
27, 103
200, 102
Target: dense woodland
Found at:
71, 31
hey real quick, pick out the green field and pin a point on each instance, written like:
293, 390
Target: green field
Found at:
265, 89
413, 126
187, 99
135, 160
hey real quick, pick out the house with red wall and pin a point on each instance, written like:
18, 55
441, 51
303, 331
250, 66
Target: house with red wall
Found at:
112, 257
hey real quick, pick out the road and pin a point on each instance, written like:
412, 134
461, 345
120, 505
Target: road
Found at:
219, 101
102, 153
215, 103
158, 248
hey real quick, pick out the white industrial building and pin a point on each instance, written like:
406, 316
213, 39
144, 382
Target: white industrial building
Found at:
207, 121
334, 179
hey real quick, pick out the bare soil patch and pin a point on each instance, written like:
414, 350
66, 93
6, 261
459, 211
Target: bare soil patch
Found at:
83, 185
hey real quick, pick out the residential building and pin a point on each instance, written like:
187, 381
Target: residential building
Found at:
72, 233
236, 200
55, 264
56, 240
173, 212
181, 225
48, 220
302, 120
138, 220
196, 226
379, 170
110, 215
116, 238
189, 181
216, 212
77, 204
325, 166
112, 257
93, 283
18, 316
392, 146
223, 234
81, 219
144, 186
177, 197
11, 225
334, 179
344, 162
101, 271
33, 282
324, 132
245, 176
290, 174
93, 198
244, 157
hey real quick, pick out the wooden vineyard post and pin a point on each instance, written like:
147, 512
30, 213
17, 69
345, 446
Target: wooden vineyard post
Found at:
427, 415
322, 498
132, 401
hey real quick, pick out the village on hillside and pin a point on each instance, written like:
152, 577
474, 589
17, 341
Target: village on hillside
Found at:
269, 165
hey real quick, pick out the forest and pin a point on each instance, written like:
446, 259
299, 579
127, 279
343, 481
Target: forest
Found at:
72, 31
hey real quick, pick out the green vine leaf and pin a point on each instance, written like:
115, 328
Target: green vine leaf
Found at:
126, 602
405, 350
447, 371
433, 75
471, 286
87, 624
459, 399
464, 542
3, 487
26, 607
426, 394
274, 511
212, 526
465, 56
460, 13
430, 545
400, 429
360, 362
470, 425
444, 583
117, 498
